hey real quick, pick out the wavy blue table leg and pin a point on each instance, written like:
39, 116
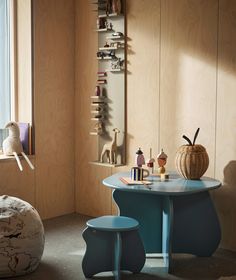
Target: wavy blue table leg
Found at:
147, 210
196, 228
167, 232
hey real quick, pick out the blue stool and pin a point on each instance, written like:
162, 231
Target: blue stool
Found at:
113, 244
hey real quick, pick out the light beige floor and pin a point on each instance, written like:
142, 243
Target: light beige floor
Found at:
64, 249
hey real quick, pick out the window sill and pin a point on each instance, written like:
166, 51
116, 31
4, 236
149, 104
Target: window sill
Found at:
10, 158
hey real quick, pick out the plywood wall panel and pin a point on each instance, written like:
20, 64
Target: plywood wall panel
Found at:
143, 31
54, 106
188, 74
226, 123
92, 198
16, 183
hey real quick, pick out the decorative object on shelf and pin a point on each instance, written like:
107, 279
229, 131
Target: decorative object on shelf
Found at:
108, 7
101, 23
12, 145
138, 173
97, 91
106, 45
110, 149
192, 159
161, 160
116, 45
21, 238
139, 158
117, 34
98, 127
117, 63
150, 162
116, 6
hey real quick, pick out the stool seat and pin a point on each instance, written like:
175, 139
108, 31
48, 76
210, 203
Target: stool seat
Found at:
113, 244
113, 223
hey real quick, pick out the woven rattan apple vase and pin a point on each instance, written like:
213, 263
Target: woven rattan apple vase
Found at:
192, 159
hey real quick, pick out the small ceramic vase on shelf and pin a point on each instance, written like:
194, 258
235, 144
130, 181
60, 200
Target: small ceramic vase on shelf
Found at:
139, 159
161, 161
97, 91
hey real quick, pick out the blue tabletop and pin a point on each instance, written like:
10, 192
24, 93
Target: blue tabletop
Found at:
113, 223
176, 185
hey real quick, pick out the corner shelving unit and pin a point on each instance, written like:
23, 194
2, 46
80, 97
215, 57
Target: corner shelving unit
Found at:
111, 58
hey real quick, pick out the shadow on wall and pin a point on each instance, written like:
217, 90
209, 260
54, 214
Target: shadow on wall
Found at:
225, 198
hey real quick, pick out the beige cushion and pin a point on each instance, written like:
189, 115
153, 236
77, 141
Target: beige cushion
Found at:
21, 237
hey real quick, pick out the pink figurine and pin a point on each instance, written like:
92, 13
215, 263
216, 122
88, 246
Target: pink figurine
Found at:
139, 159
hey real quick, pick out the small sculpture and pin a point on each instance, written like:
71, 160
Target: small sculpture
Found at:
150, 162
108, 7
97, 91
161, 160
116, 6
139, 159
110, 149
98, 127
117, 63
12, 145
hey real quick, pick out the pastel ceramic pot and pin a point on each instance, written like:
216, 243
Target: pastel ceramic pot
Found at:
192, 161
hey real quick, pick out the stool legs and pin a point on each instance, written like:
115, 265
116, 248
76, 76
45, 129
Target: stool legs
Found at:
117, 255
112, 251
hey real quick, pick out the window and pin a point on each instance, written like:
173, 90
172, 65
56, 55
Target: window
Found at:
5, 82
15, 64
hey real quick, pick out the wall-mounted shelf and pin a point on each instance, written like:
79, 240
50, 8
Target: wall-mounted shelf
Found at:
110, 15
114, 70
97, 97
104, 58
115, 37
111, 55
110, 48
104, 29
94, 133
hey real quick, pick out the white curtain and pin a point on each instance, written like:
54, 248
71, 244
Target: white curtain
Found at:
5, 95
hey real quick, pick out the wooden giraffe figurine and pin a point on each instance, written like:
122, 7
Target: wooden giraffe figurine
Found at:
110, 149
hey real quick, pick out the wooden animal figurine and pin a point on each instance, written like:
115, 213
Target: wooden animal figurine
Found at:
12, 145
110, 149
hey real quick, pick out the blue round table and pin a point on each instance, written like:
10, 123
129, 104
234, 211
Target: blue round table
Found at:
175, 216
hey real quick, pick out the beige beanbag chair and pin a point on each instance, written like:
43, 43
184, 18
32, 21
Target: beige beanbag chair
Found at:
21, 237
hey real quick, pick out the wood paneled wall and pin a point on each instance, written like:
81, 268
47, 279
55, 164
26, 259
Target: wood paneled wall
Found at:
225, 163
50, 188
181, 75
91, 197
